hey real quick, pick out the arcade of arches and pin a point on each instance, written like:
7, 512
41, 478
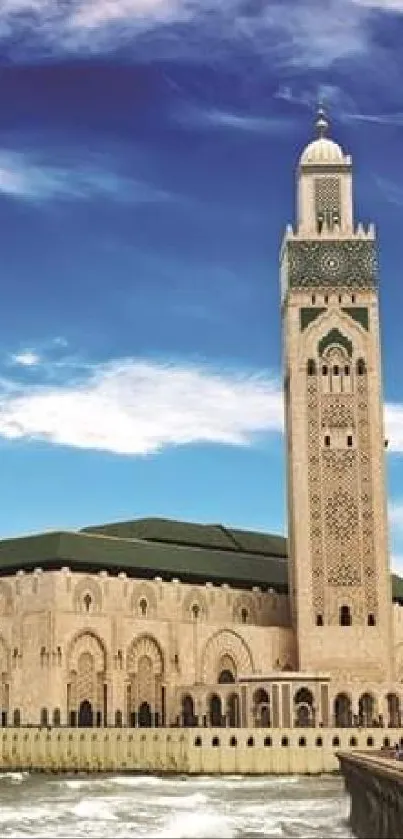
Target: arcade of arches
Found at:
133, 689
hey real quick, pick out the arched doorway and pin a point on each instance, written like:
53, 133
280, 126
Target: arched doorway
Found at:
366, 710
226, 678
226, 670
145, 689
85, 715
343, 715
86, 686
393, 710
188, 714
233, 714
304, 708
144, 716
261, 708
215, 711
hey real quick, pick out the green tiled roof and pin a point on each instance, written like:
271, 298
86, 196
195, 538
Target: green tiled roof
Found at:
397, 588
213, 536
157, 547
137, 557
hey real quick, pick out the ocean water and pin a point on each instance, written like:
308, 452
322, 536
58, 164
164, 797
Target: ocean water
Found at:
148, 806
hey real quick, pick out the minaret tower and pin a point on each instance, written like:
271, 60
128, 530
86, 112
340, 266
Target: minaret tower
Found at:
339, 576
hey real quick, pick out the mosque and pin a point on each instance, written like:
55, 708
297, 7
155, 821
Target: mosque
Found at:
155, 623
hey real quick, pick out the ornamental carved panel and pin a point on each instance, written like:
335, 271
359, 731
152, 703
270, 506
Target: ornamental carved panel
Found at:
332, 264
327, 195
315, 496
367, 504
337, 411
341, 521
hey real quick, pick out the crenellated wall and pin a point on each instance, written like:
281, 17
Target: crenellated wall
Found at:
193, 751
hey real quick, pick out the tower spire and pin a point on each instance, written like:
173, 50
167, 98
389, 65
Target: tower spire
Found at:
322, 123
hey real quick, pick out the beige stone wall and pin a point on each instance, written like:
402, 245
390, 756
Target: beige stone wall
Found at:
245, 751
326, 648
56, 626
49, 628
397, 619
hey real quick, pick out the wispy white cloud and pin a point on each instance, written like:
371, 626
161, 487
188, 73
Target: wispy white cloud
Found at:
330, 95
394, 118
26, 177
382, 5
339, 103
219, 119
142, 407
396, 516
309, 33
26, 358
393, 193
394, 427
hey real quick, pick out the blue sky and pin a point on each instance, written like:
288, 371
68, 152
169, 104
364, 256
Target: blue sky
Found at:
147, 157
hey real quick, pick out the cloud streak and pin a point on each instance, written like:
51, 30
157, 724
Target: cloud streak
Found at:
308, 33
25, 177
392, 192
396, 516
227, 120
142, 407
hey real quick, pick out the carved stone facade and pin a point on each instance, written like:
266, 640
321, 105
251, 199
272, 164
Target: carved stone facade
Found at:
98, 637
339, 562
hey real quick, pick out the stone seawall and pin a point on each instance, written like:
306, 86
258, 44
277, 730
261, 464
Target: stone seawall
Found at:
184, 750
375, 784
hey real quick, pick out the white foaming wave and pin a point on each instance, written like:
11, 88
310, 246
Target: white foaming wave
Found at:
246, 781
137, 780
198, 825
93, 808
14, 777
28, 814
185, 801
76, 783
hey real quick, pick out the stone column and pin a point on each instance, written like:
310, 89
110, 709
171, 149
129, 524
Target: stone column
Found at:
288, 722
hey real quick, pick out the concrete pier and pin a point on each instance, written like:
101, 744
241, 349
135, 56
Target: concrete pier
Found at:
375, 784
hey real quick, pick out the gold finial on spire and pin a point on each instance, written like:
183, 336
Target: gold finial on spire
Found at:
321, 123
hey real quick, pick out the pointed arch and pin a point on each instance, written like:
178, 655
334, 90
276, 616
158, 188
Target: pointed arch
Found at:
4, 657
145, 672
225, 642
394, 711
194, 606
86, 673
245, 609
145, 646
343, 710
367, 709
143, 602
335, 338
87, 596
87, 642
